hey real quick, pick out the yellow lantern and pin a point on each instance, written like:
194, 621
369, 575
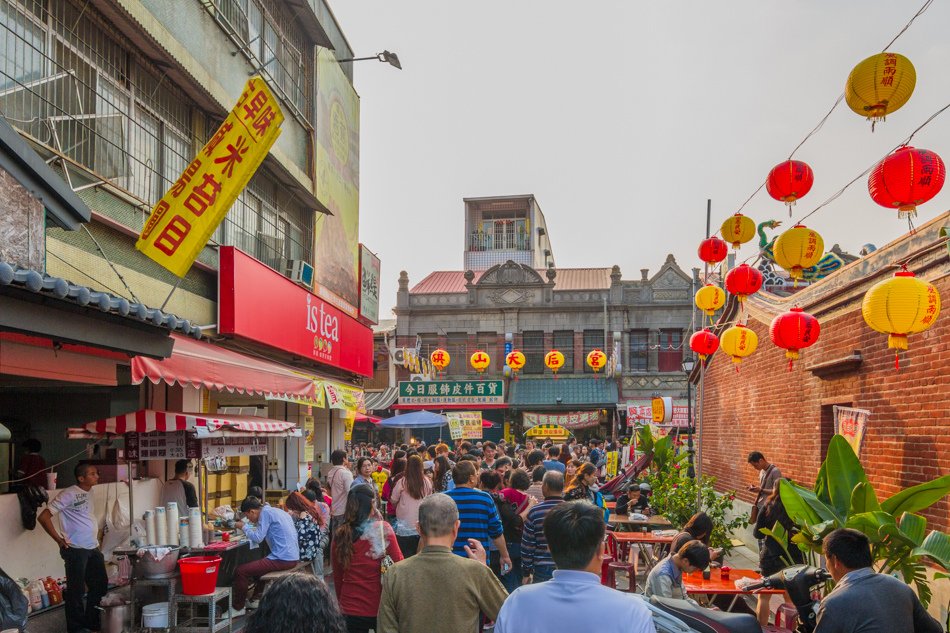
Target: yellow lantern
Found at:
480, 361
596, 360
797, 249
900, 306
554, 360
738, 341
710, 298
440, 359
515, 360
879, 85
738, 230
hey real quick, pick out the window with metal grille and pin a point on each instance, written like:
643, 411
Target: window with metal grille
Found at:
488, 343
564, 343
670, 354
639, 350
532, 346
457, 347
593, 339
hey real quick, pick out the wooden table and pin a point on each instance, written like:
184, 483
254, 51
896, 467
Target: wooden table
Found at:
694, 583
641, 540
654, 522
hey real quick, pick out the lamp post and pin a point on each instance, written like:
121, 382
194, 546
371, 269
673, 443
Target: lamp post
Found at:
687, 365
386, 57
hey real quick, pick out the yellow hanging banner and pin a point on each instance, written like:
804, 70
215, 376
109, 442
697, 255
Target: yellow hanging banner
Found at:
191, 210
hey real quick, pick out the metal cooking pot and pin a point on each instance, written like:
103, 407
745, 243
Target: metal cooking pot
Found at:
148, 567
115, 619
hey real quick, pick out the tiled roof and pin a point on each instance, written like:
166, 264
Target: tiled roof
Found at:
573, 392
26, 279
453, 281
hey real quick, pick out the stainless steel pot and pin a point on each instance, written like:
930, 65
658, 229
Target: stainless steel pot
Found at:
115, 619
148, 567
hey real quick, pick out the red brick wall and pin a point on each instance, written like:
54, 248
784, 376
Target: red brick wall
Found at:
766, 408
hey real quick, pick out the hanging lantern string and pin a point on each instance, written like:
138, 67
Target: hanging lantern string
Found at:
838, 101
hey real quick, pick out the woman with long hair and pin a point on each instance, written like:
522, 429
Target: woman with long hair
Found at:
408, 494
360, 545
297, 603
314, 484
313, 529
582, 488
570, 471
698, 528
442, 475
565, 455
772, 557
396, 472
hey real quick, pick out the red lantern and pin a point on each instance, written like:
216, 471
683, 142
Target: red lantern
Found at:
743, 280
906, 178
789, 181
704, 343
713, 250
793, 331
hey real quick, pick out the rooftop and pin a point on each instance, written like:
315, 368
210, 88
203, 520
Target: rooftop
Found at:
453, 281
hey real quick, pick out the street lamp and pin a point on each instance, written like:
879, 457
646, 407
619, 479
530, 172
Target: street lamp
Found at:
688, 365
386, 57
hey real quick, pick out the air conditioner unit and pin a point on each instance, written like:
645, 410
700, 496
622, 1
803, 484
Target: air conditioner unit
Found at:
300, 272
399, 356
419, 378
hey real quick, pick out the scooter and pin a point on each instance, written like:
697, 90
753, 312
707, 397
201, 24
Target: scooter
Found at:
798, 581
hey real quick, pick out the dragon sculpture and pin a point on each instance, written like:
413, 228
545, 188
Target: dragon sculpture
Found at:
829, 262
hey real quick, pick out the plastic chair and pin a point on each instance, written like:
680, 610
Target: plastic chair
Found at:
605, 568
786, 617
619, 563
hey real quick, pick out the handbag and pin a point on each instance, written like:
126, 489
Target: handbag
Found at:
386, 561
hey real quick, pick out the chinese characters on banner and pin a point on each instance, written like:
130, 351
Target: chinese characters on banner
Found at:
186, 216
643, 412
369, 285
612, 464
349, 421
344, 397
466, 424
170, 445
452, 392
308, 428
851, 424
233, 446
573, 420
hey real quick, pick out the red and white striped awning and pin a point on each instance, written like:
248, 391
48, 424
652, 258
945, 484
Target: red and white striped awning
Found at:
204, 424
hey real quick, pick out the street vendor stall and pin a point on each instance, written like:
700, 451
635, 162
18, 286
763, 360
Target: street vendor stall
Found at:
552, 432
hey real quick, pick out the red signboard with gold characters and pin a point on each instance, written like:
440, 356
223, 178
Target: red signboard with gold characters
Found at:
191, 210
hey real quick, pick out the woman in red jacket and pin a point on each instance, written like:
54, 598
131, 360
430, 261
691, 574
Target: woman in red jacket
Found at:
360, 545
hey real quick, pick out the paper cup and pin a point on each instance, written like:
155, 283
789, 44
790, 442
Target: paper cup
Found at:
51, 481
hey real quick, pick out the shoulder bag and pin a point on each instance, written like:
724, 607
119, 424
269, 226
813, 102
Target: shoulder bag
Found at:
386, 561
754, 513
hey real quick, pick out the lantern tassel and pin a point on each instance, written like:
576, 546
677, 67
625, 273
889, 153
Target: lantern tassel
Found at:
897, 361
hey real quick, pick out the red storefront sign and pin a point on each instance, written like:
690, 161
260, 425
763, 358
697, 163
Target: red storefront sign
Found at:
258, 304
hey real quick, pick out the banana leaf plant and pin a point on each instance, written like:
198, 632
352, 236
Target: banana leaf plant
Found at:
843, 497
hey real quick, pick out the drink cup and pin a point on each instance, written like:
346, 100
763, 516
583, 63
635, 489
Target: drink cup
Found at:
51, 481
706, 574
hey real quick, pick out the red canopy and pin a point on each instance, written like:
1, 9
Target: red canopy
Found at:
204, 365
147, 421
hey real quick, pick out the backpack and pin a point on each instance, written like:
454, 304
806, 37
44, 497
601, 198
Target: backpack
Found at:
511, 521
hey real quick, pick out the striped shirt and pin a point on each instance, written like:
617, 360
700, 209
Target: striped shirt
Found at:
534, 547
479, 518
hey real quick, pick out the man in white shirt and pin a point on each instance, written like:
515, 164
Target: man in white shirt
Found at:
340, 478
79, 547
574, 600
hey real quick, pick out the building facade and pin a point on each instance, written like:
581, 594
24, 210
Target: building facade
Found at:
494, 306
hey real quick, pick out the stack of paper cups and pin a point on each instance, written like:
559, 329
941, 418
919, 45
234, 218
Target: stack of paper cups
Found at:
194, 527
171, 514
149, 528
161, 527
183, 539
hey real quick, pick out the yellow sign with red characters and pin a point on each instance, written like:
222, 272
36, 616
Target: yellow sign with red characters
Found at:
189, 212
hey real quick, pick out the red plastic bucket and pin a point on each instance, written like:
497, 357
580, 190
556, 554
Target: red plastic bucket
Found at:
199, 574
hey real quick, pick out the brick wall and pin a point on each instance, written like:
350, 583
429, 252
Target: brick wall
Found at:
788, 416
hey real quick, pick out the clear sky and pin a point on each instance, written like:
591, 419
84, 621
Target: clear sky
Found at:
623, 117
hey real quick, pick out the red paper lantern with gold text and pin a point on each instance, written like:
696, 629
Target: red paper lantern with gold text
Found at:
789, 181
906, 178
713, 250
743, 280
794, 331
704, 343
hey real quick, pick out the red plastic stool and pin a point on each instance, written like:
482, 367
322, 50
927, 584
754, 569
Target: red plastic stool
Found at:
605, 569
629, 568
786, 617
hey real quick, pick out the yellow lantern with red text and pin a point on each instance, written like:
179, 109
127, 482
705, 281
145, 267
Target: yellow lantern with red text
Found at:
480, 361
440, 359
797, 249
900, 306
738, 230
596, 360
515, 360
710, 298
739, 342
554, 360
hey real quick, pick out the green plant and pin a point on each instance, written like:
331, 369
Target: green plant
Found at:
674, 493
843, 497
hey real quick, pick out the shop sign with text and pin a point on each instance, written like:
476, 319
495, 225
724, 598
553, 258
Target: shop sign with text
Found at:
644, 411
233, 446
573, 420
452, 392
259, 304
169, 445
